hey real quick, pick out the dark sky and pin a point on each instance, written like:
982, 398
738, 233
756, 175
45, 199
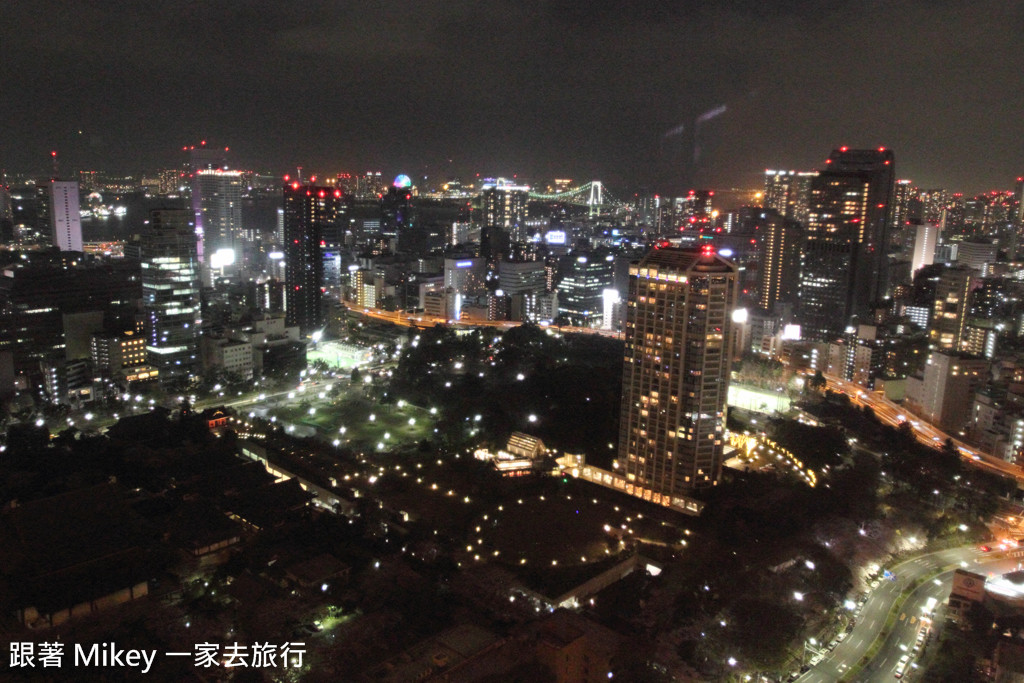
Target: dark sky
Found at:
614, 90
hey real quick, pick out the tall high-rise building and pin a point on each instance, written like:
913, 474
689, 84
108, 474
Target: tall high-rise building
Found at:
309, 210
844, 269
675, 377
504, 206
65, 216
397, 217
788, 192
581, 291
217, 194
926, 239
949, 315
903, 192
202, 158
170, 292
779, 269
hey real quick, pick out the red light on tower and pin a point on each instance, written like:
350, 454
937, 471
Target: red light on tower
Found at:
53, 154
203, 143
844, 148
881, 149
322, 194
295, 186
287, 177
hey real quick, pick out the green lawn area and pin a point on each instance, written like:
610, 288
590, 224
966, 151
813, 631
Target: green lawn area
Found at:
366, 423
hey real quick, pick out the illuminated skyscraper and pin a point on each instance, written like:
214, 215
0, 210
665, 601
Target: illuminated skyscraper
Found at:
396, 210
581, 291
504, 206
949, 315
217, 195
847, 240
780, 260
170, 292
65, 216
675, 377
788, 192
308, 211
202, 158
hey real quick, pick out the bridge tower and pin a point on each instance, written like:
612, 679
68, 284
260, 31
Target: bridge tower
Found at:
594, 202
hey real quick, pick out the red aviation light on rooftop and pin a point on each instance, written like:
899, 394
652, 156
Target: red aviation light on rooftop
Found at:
337, 193
203, 143
844, 148
322, 194
881, 149
287, 177
295, 186
226, 149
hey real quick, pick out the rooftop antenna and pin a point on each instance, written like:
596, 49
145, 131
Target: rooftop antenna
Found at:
53, 155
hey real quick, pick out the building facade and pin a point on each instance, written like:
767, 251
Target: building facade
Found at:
844, 269
170, 293
308, 211
676, 371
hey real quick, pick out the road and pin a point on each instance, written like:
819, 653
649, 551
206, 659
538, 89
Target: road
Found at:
893, 414
422, 320
938, 567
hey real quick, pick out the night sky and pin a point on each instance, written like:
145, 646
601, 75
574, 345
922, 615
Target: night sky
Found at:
668, 95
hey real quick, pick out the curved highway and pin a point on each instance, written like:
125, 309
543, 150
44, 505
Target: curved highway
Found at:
934, 571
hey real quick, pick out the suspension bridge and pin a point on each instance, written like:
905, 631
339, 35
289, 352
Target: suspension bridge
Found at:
592, 195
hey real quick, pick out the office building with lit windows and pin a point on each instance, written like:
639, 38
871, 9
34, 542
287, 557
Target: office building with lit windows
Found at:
846, 246
581, 291
65, 215
780, 260
170, 292
504, 206
218, 201
675, 375
788, 192
309, 211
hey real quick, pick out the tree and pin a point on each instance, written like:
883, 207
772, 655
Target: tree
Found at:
356, 376
817, 383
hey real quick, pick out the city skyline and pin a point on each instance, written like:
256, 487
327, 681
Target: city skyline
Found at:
666, 96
